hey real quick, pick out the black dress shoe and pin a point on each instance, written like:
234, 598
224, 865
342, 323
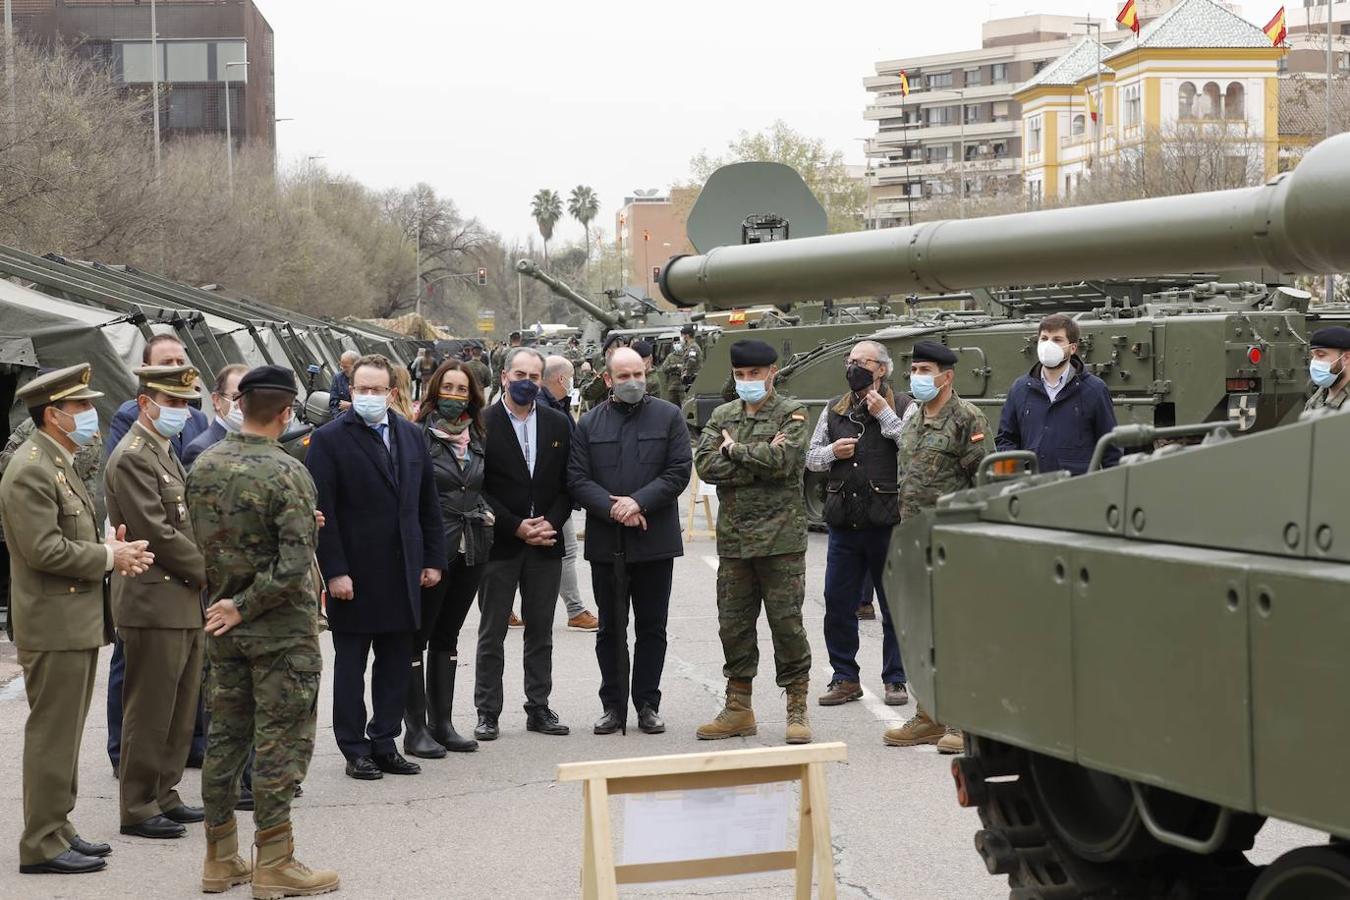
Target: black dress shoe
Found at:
486, 730
609, 722
68, 863
155, 827
394, 764
185, 815
545, 721
649, 722
299, 791
363, 768
89, 848
245, 803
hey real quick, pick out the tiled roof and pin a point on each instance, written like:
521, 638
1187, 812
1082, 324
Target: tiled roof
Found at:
1198, 23
1078, 63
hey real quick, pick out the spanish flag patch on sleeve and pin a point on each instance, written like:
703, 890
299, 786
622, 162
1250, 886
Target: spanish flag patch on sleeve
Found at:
977, 437
798, 417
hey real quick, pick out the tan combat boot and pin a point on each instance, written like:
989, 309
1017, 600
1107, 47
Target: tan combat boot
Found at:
224, 867
736, 719
798, 728
919, 730
952, 742
277, 873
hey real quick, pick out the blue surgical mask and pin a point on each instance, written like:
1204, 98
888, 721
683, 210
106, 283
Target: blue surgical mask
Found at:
371, 407
234, 419
86, 427
751, 391
922, 387
1320, 371
171, 420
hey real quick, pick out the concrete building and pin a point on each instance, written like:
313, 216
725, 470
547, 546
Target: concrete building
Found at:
1198, 76
650, 229
198, 39
960, 121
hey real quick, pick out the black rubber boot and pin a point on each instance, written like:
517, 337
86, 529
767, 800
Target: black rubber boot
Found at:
417, 741
440, 700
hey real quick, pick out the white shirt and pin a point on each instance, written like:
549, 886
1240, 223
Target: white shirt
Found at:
527, 431
1054, 387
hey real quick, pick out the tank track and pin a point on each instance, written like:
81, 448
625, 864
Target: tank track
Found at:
1016, 840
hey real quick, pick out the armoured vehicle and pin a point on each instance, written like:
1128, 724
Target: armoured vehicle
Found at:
1147, 661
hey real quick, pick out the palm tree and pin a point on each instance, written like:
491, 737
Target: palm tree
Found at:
583, 206
546, 207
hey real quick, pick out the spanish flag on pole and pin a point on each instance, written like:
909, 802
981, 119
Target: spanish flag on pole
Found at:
1129, 16
1275, 28
1091, 103
904, 84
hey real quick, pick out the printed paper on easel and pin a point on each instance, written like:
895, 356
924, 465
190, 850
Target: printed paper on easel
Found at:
706, 823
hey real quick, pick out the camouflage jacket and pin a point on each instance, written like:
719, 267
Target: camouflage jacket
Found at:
88, 464
655, 384
760, 511
252, 509
941, 454
1322, 399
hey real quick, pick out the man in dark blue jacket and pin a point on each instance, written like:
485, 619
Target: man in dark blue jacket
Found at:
383, 540
631, 460
1058, 410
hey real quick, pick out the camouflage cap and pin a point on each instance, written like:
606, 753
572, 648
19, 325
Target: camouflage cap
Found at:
173, 381
70, 383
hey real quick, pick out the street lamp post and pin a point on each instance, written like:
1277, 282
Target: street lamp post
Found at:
9, 75
961, 163
309, 180
154, 75
229, 136
1329, 286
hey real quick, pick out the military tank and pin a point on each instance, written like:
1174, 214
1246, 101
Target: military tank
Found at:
1148, 661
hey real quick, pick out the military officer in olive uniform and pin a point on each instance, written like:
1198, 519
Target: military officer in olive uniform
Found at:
941, 447
473, 361
253, 510
159, 614
59, 611
1330, 368
655, 386
754, 450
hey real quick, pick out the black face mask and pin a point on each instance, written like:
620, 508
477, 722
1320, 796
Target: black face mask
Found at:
859, 377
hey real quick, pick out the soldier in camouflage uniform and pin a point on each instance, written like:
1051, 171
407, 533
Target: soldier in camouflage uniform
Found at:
681, 365
253, 510
499, 353
754, 450
940, 451
595, 391
654, 384
1330, 368
473, 361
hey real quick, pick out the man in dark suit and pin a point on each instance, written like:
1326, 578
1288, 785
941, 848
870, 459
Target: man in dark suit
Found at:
525, 483
340, 392
229, 417
383, 542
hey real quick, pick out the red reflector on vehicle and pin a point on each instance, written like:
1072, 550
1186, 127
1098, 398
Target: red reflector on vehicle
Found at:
1254, 355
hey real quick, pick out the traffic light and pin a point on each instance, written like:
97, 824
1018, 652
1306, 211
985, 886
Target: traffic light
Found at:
656, 273
482, 276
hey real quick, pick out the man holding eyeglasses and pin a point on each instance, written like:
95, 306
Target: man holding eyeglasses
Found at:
857, 442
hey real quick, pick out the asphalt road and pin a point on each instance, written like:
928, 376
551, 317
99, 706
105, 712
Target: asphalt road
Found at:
496, 823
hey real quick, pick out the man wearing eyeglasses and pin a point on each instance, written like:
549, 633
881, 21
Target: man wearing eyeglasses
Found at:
857, 442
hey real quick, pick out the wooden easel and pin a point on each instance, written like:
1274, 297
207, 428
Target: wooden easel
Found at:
697, 497
603, 779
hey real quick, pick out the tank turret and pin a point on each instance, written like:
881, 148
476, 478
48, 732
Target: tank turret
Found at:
608, 318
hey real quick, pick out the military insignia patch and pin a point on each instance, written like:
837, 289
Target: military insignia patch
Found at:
977, 437
798, 417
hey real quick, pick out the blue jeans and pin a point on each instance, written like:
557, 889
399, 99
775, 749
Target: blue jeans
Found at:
851, 555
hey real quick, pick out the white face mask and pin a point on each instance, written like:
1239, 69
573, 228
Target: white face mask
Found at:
1050, 354
233, 420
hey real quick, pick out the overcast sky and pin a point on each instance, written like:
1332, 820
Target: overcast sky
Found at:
489, 100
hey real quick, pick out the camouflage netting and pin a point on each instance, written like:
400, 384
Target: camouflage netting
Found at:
411, 324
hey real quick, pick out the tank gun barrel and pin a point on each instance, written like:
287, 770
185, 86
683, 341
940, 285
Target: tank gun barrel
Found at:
610, 319
1294, 224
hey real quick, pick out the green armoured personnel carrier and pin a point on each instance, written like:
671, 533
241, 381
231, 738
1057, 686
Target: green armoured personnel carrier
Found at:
1148, 661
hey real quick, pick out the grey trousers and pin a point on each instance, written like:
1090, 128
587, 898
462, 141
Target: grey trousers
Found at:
568, 589
537, 577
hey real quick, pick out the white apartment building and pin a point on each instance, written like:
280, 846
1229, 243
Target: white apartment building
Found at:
960, 120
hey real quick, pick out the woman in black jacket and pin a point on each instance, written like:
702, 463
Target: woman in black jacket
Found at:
450, 414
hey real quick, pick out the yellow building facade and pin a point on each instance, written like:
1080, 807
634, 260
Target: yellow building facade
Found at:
1199, 73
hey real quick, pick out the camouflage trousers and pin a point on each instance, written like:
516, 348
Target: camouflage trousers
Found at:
778, 583
263, 692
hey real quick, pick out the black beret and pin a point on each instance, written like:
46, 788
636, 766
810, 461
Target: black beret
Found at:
644, 349
272, 378
612, 340
933, 352
745, 354
688, 329
1334, 337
